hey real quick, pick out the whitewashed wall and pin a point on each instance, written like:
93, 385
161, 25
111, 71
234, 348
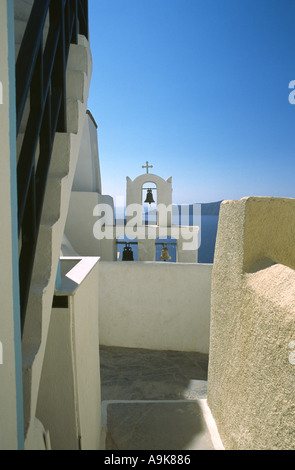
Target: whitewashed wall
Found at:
155, 305
69, 402
87, 176
251, 380
11, 410
86, 196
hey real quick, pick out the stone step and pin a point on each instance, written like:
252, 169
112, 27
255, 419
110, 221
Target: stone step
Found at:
77, 90
78, 57
60, 159
59, 166
175, 425
57, 195
73, 112
58, 191
76, 93
76, 85
155, 400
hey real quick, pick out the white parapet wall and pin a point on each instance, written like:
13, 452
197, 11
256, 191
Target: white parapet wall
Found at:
69, 404
251, 380
152, 305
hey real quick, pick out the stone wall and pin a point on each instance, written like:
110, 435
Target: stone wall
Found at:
251, 380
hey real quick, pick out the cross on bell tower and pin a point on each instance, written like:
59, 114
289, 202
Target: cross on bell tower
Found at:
147, 167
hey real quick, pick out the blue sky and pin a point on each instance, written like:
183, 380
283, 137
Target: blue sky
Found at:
199, 88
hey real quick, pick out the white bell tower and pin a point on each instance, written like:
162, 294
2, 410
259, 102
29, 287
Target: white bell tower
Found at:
186, 237
135, 193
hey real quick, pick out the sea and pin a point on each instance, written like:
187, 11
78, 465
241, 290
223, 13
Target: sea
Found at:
209, 218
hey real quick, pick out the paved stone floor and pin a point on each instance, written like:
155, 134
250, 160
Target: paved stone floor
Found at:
155, 400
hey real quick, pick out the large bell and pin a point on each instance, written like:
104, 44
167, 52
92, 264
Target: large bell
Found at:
127, 254
149, 197
165, 254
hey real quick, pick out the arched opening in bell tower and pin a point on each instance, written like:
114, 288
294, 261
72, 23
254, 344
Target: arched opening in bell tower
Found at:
149, 203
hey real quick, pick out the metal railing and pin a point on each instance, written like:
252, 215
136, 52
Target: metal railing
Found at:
41, 79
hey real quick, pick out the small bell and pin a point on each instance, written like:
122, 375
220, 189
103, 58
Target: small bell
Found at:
149, 197
165, 254
127, 254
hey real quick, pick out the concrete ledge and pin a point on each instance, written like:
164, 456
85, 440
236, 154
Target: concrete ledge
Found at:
74, 271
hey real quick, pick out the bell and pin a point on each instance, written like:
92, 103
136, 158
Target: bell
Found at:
149, 197
165, 254
127, 254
